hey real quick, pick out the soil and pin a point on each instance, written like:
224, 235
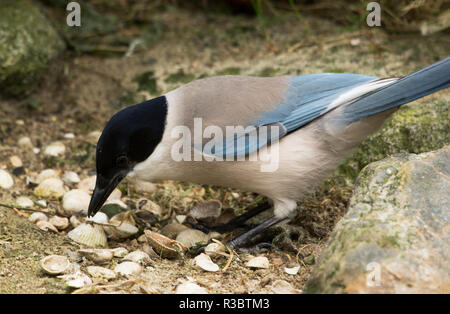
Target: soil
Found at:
80, 92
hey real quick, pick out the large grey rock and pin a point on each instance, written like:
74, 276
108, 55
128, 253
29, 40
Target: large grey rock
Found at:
395, 236
27, 44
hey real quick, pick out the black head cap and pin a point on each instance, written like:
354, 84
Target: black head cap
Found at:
128, 138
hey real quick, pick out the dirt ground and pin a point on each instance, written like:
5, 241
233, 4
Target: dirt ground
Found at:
80, 92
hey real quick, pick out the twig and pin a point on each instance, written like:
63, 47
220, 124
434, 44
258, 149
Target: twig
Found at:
15, 206
230, 257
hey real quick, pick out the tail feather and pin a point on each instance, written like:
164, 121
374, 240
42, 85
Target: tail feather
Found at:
409, 88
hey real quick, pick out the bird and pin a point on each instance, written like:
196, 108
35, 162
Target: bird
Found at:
275, 136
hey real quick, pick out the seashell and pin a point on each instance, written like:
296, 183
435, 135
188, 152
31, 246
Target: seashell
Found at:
46, 174
116, 194
6, 180
128, 268
180, 218
52, 187
119, 252
149, 206
99, 256
74, 221
101, 272
46, 226
87, 184
23, 201
60, 223
292, 270
138, 257
121, 226
99, 217
55, 264
190, 288
25, 142
70, 177
149, 250
55, 149
283, 287
143, 186
69, 136
89, 235
76, 202
35, 217
15, 161
204, 262
77, 280
164, 246
41, 203
36, 150
258, 262
209, 210
173, 229
192, 237
213, 249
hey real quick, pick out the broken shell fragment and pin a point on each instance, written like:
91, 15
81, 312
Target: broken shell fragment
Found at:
35, 217
258, 262
75, 221
119, 252
52, 187
70, 177
25, 202
46, 174
128, 268
55, 264
55, 149
76, 202
101, 272
77, 280
149, 206
46, 226
87, 184
204, 262
89, 235
214, 249
190, 288
138, 257
60, 223
164, 246
292, 270
121, 226
192, 237
99, 217
99, 256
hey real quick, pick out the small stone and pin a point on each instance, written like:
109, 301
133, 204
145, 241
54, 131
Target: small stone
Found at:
173, 229
192, 237
190, 288
55, 149
6, 180
36, 150
25, 142
76, 202
258, 262
41, 203
35, 217
46, 226
93, 137
98, 256
101, 272
204, 262
70, 177
128, 268
60, 223
15, 161
52, 187
25, 202
69, 135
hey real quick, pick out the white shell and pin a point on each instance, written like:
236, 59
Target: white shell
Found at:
148, 205
69, 135
204, 262
46, 226
99, 256
55, 264
119, 252
191, 237
70, 177
292, 270
121, 226
35, 217
213, 248
24, 142
138, 257
60, 223
128, 268
74, 221
76, 202
190, 288
6, 180
258, 262
41, 203
46, 174
283, 287
92, 236
101, 272
87, 184
52, 187
24, 202
180, 218
55, 149
77, 280
99, 217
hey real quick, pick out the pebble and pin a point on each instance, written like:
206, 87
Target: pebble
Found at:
128, 268
191, 237
52, 187
190, 288
41, 203
55, 149
204, 262
25, 142
23, 201
101, 272
6, 180
258, 262
70, 177
15, 161
76, 202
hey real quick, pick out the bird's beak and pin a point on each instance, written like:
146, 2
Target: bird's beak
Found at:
103, 188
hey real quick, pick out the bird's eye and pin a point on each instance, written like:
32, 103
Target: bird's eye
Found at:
122, 161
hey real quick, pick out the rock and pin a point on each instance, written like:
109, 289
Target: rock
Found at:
101, 272
15, 161
6, 180
41, 203
52, 187
128, 268
70, 177
190, 288
29, 42
258, 262
25, 143
69, 136
76, 202
204, 262
46, 174
55, 149
98, 256
24, 202
60, 223
191, 237
394, 237
416, 128
35, 217
89, 235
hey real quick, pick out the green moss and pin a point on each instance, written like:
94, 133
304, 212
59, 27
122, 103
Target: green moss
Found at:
147, 82
179, 77
230, 71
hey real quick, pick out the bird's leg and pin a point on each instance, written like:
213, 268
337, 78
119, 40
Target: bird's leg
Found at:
243, 239
233, 223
